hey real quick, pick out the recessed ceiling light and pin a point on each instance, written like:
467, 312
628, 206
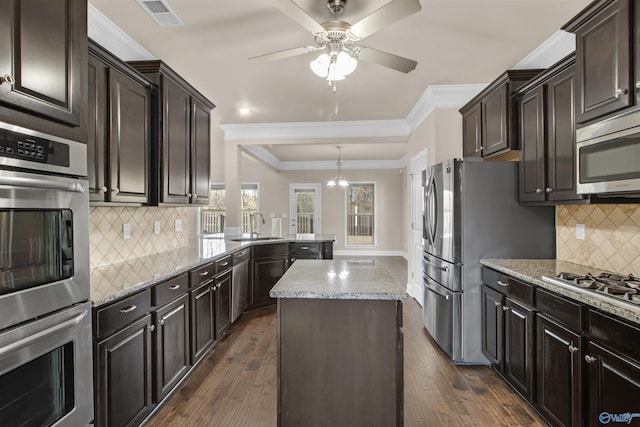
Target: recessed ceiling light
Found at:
244, 111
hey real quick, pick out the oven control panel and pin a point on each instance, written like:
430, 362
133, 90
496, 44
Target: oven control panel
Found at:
32, 148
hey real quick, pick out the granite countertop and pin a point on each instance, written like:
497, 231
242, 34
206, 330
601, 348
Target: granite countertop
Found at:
112, 281
338, 279
532, 270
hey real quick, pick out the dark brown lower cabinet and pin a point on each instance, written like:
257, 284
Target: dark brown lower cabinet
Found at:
492, 326
614, 386
268, 264
559, 373
518, 352
172, 345
223, 303
124, 376
202, 315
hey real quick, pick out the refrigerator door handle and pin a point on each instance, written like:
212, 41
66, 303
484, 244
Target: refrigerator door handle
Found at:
439, 267
431, 208
437, 293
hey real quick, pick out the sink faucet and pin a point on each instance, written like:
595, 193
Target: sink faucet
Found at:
254, 229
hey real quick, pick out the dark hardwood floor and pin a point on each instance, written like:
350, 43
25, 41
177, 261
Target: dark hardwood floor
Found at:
235, 384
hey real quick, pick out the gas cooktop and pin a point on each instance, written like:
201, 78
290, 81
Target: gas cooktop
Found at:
626, 288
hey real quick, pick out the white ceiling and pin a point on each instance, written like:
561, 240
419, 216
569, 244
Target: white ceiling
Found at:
454, 42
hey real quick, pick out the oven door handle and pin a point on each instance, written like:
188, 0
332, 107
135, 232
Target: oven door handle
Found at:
17, 181
14, 346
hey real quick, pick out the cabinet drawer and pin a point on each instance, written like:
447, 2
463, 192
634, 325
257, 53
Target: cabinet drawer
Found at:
201, 274
619, 336
121, 313
306, 248
166, 291
517, 290
269, 250
223, 264
565, 311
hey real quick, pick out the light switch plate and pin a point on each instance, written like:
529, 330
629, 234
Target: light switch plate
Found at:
580, 232
284, 215
126, 231
156, 227
178, 225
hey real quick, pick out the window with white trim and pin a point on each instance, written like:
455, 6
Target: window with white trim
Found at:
360, 205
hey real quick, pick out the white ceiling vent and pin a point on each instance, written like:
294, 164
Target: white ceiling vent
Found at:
160, 11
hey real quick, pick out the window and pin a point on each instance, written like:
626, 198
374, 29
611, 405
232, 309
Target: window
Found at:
212, 216
360, 206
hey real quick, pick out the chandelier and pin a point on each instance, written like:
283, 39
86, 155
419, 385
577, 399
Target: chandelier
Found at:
338, 180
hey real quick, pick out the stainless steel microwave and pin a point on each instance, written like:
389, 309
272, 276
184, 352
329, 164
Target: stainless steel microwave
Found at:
608, 156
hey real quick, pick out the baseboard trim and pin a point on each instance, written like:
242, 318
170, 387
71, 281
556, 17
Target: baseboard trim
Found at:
369, 253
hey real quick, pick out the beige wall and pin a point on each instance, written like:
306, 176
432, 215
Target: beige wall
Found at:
274, 199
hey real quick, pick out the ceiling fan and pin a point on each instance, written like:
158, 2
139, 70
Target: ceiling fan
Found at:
338, 39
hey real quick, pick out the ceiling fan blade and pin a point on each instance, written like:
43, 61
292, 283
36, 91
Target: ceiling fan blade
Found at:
386, 59
286, 53
391, 12
294, 12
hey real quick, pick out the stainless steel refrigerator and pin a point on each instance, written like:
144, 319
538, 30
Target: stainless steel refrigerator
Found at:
471, 211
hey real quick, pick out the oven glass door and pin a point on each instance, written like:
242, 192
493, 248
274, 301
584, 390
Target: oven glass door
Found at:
36, 248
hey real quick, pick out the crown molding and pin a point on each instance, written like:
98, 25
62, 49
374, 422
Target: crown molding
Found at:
441, 96
552, 50
112, 38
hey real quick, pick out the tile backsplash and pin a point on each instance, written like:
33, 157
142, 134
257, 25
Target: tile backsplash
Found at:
612, 236
107, 245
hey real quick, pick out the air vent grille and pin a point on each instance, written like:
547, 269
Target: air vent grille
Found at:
160, 11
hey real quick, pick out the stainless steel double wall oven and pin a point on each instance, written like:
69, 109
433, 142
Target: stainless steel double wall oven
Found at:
45, 314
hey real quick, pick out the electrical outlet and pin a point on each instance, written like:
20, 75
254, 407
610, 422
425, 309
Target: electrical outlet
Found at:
178, 225
284, 215
580, 232
126, 231
156, 227
272, 215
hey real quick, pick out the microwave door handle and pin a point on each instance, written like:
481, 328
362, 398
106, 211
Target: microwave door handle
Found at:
42, 334
43, 184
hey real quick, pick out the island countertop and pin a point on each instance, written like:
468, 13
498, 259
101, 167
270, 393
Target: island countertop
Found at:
338, 279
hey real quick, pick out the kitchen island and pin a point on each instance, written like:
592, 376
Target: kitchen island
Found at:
340, 348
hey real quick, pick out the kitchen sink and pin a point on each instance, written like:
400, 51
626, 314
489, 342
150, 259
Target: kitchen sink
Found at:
255, 239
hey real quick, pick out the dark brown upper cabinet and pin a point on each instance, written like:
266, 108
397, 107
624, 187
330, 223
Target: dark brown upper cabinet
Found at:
604, 58
119, 137
183, 133
43, 65
547, 136
489, 127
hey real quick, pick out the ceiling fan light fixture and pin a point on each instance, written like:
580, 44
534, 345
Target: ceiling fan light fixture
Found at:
346, 63
320, 66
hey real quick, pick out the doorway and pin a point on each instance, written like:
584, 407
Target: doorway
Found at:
305, 208
414, 286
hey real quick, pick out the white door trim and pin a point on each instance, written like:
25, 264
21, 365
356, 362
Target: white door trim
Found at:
417, 164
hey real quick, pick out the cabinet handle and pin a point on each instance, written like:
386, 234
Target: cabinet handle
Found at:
621, 92
128, 309
188, 194
573, 349
224, 264
115, 191
482, 147
102, 190
498, 303
152, 328
161, 322
195, 196
501, 283
304, 248
505, 308
548, 190
204, 273
538, 190
638, 84
174, 287
589, 359
7, 78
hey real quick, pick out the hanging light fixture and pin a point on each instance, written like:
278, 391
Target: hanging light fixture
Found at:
338, 180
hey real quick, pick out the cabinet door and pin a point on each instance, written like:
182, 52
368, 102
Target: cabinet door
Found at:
123, 376
613, 383
172, 345
471, 132
202, 312
603, 53
559, 373
492, 326
128, 139
43, 47
223, 303
532, 139
176, 142
264, 275
200, 153
97, 129
561, 145
494, 121
518, 351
